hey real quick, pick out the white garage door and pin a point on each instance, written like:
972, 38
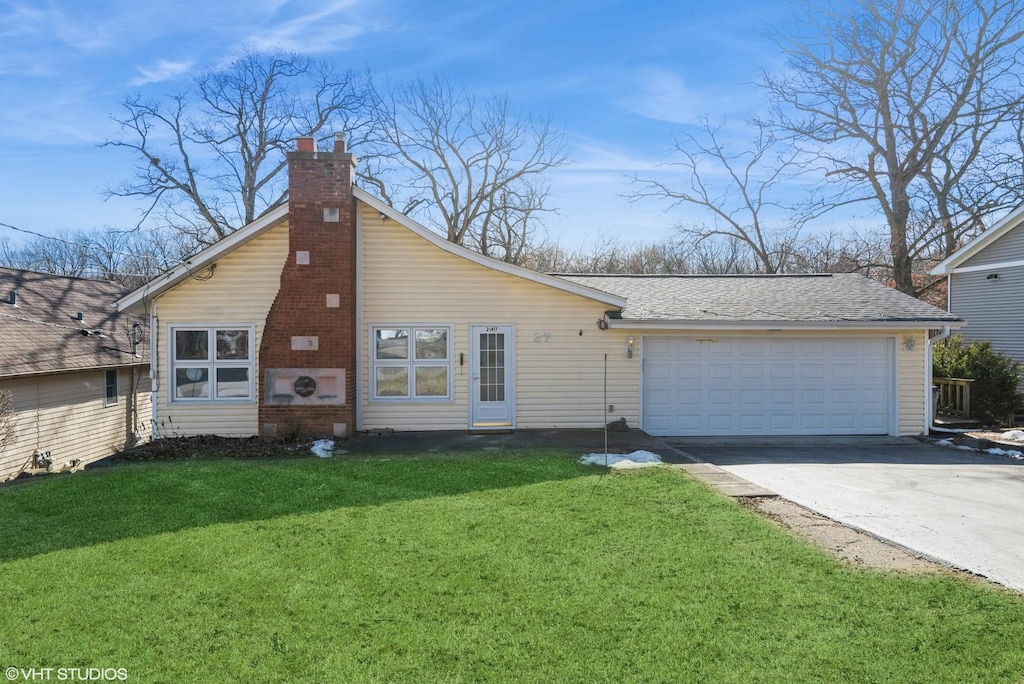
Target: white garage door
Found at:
750, 386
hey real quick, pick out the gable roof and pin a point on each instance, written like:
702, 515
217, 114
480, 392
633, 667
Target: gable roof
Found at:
42, 334
164, 282
830, 300
1002, 227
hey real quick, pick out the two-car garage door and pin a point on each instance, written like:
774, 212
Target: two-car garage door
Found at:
774, 386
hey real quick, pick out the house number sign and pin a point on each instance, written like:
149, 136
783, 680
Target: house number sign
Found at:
541, 336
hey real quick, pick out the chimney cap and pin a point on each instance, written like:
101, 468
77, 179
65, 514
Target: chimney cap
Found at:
339, 141
305, 144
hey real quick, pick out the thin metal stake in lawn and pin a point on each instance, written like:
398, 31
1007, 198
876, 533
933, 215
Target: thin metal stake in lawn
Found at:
604, 417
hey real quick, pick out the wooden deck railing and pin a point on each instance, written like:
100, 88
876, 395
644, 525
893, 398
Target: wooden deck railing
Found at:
954, 396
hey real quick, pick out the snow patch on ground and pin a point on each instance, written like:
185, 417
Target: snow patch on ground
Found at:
637, 459
323, 448
995, 451
1013, 436
1012, 453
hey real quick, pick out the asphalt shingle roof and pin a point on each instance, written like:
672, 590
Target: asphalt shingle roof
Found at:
42, 333
830, 297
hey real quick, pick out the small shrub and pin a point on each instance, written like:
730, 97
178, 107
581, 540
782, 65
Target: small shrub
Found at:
995, 392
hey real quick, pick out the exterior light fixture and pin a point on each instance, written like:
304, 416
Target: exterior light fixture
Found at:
629, 347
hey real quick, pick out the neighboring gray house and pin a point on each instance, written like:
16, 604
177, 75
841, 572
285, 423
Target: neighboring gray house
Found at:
986, 285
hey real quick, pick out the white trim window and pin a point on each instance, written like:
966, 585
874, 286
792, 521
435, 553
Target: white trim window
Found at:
110, 387
411, 362
211, 363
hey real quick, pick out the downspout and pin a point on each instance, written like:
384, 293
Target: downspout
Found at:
357, 292
154, 372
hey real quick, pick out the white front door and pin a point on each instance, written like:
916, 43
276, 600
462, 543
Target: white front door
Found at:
492, 367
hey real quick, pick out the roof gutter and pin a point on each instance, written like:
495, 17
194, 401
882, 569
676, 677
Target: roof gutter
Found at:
778, 326
11, 375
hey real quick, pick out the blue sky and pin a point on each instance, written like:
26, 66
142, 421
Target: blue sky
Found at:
621, 77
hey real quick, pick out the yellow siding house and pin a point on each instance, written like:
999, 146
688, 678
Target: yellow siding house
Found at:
337, 314
78, 383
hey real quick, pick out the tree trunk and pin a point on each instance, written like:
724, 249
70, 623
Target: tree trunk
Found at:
902, 264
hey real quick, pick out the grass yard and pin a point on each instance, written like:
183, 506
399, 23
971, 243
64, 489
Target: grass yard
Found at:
511, 567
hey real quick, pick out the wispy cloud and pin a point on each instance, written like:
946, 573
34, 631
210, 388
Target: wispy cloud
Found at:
663, 95
53, 120
20, 19
319, 30
163, 71
597, 156
35, 20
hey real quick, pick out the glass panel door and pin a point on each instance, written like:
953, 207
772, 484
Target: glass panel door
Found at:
492, 391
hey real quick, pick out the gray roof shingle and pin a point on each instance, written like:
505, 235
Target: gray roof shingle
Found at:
824, 298
42, 333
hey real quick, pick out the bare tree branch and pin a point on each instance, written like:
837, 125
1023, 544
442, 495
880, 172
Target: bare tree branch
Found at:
905, 102
738, 190
210, 159
476, 167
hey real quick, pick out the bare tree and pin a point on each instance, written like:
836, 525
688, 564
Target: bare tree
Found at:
64, 254
902, 101
843, 252
210, 159
610, 255
128, 257
475, 167
739, 190
515, 223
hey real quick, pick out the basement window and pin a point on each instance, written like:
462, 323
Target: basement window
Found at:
211, 363
411, 362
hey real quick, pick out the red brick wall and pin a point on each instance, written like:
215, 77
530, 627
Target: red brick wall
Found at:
316, 180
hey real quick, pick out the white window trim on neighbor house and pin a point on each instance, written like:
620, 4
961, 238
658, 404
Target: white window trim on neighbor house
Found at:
110, 399
411, 361
211, 364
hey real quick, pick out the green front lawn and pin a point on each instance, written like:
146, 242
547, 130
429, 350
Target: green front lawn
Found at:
512, 567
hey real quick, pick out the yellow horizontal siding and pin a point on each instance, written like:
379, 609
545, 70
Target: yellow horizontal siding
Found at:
910, 377
65, 415
559, 381
240, 291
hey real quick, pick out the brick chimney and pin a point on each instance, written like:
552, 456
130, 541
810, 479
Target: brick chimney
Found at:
308, 351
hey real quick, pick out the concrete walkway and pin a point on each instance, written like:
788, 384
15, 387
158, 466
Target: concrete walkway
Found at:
724, 481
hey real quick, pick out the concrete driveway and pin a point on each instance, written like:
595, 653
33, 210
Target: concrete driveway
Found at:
962, 508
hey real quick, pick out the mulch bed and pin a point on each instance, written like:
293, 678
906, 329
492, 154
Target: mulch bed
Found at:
209, 445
